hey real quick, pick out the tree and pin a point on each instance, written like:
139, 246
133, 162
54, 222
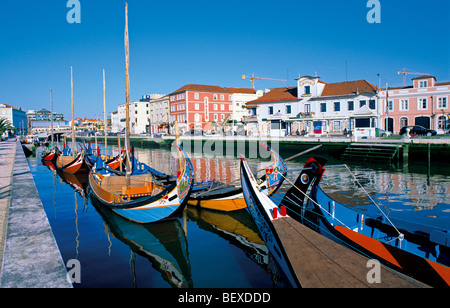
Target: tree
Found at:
5, 125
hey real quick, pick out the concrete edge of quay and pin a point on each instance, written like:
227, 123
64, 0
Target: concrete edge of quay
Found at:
31, 257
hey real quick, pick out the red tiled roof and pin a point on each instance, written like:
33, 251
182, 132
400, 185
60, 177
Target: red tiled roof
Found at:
241, 90
348, 87
277, 94
201, 88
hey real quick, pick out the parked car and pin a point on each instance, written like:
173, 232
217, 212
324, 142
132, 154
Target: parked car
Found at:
194, 132
160, 134
418, 130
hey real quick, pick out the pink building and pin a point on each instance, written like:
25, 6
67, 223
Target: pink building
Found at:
425, 103
203, 107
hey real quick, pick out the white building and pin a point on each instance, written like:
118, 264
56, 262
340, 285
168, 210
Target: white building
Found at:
317, 108
16, 116
159, 114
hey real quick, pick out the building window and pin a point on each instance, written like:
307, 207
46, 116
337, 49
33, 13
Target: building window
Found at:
404, 105
215, 106
222, 107
215, 97
351, 106
222, 117
197, 117
441, 122
323, 107
216, 117
196, 96
423, 84
372, 104
307, 89
337, 106
362, 103
422, 104
270, 110
288, 109
403, 122
222, 97
390, 105
442, 103
197, 106
307, 108
336, 126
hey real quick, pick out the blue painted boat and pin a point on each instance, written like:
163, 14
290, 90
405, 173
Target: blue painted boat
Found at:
148, 195
420, 251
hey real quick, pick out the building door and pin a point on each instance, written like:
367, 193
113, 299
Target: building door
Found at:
390, 126
423, 121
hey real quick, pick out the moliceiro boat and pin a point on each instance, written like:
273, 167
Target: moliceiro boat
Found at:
417, 250
228, 197
145, 195
307, 258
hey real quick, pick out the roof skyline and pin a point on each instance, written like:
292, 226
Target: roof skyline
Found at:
179, 42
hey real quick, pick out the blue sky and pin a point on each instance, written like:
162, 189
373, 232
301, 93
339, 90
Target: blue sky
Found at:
173, 43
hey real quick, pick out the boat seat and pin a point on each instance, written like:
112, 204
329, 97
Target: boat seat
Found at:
139, 184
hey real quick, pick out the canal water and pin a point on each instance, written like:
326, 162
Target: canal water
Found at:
209, 249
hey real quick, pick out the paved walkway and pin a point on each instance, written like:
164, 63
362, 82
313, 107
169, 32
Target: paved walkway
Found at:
7, 155
30, 258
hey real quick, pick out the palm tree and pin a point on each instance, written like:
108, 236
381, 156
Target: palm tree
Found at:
5, 125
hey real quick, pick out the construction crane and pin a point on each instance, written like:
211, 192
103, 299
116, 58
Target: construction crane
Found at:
253, 78
404, 73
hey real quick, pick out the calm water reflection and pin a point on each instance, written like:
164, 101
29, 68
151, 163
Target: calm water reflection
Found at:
207, 248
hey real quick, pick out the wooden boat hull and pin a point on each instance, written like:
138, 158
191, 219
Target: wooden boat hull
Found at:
362, 232
50, 155
307, 258
73, 165
143, 201
372, 236
225, 205
262, 214
230, 198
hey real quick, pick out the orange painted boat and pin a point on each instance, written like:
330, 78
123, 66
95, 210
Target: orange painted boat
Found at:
415, 249
70, 164
222, 197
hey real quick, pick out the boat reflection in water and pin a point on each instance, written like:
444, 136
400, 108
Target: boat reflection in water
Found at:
238, 229
164, 244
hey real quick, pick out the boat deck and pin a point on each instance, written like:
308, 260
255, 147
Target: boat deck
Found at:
318, 262
138, 184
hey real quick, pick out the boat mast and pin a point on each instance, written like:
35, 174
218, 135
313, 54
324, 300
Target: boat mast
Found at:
73, 128
104, 111
127, 106
51, 114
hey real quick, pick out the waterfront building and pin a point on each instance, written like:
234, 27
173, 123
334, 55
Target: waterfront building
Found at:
138, 120
16, 116
201, 107
425, 103
44, 115
316, 108
159, 114
115, 122
239, 100
37, 127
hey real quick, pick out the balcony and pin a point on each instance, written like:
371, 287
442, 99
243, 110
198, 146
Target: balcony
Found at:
305, 115
251, 118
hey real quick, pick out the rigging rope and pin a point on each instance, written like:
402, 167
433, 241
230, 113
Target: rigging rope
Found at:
400, 235
323, 209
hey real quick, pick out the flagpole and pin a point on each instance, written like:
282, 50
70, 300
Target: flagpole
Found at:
387, 107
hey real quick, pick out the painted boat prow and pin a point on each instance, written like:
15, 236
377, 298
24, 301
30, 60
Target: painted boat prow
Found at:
261, 208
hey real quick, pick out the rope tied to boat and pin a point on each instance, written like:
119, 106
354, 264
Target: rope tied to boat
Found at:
401, 236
